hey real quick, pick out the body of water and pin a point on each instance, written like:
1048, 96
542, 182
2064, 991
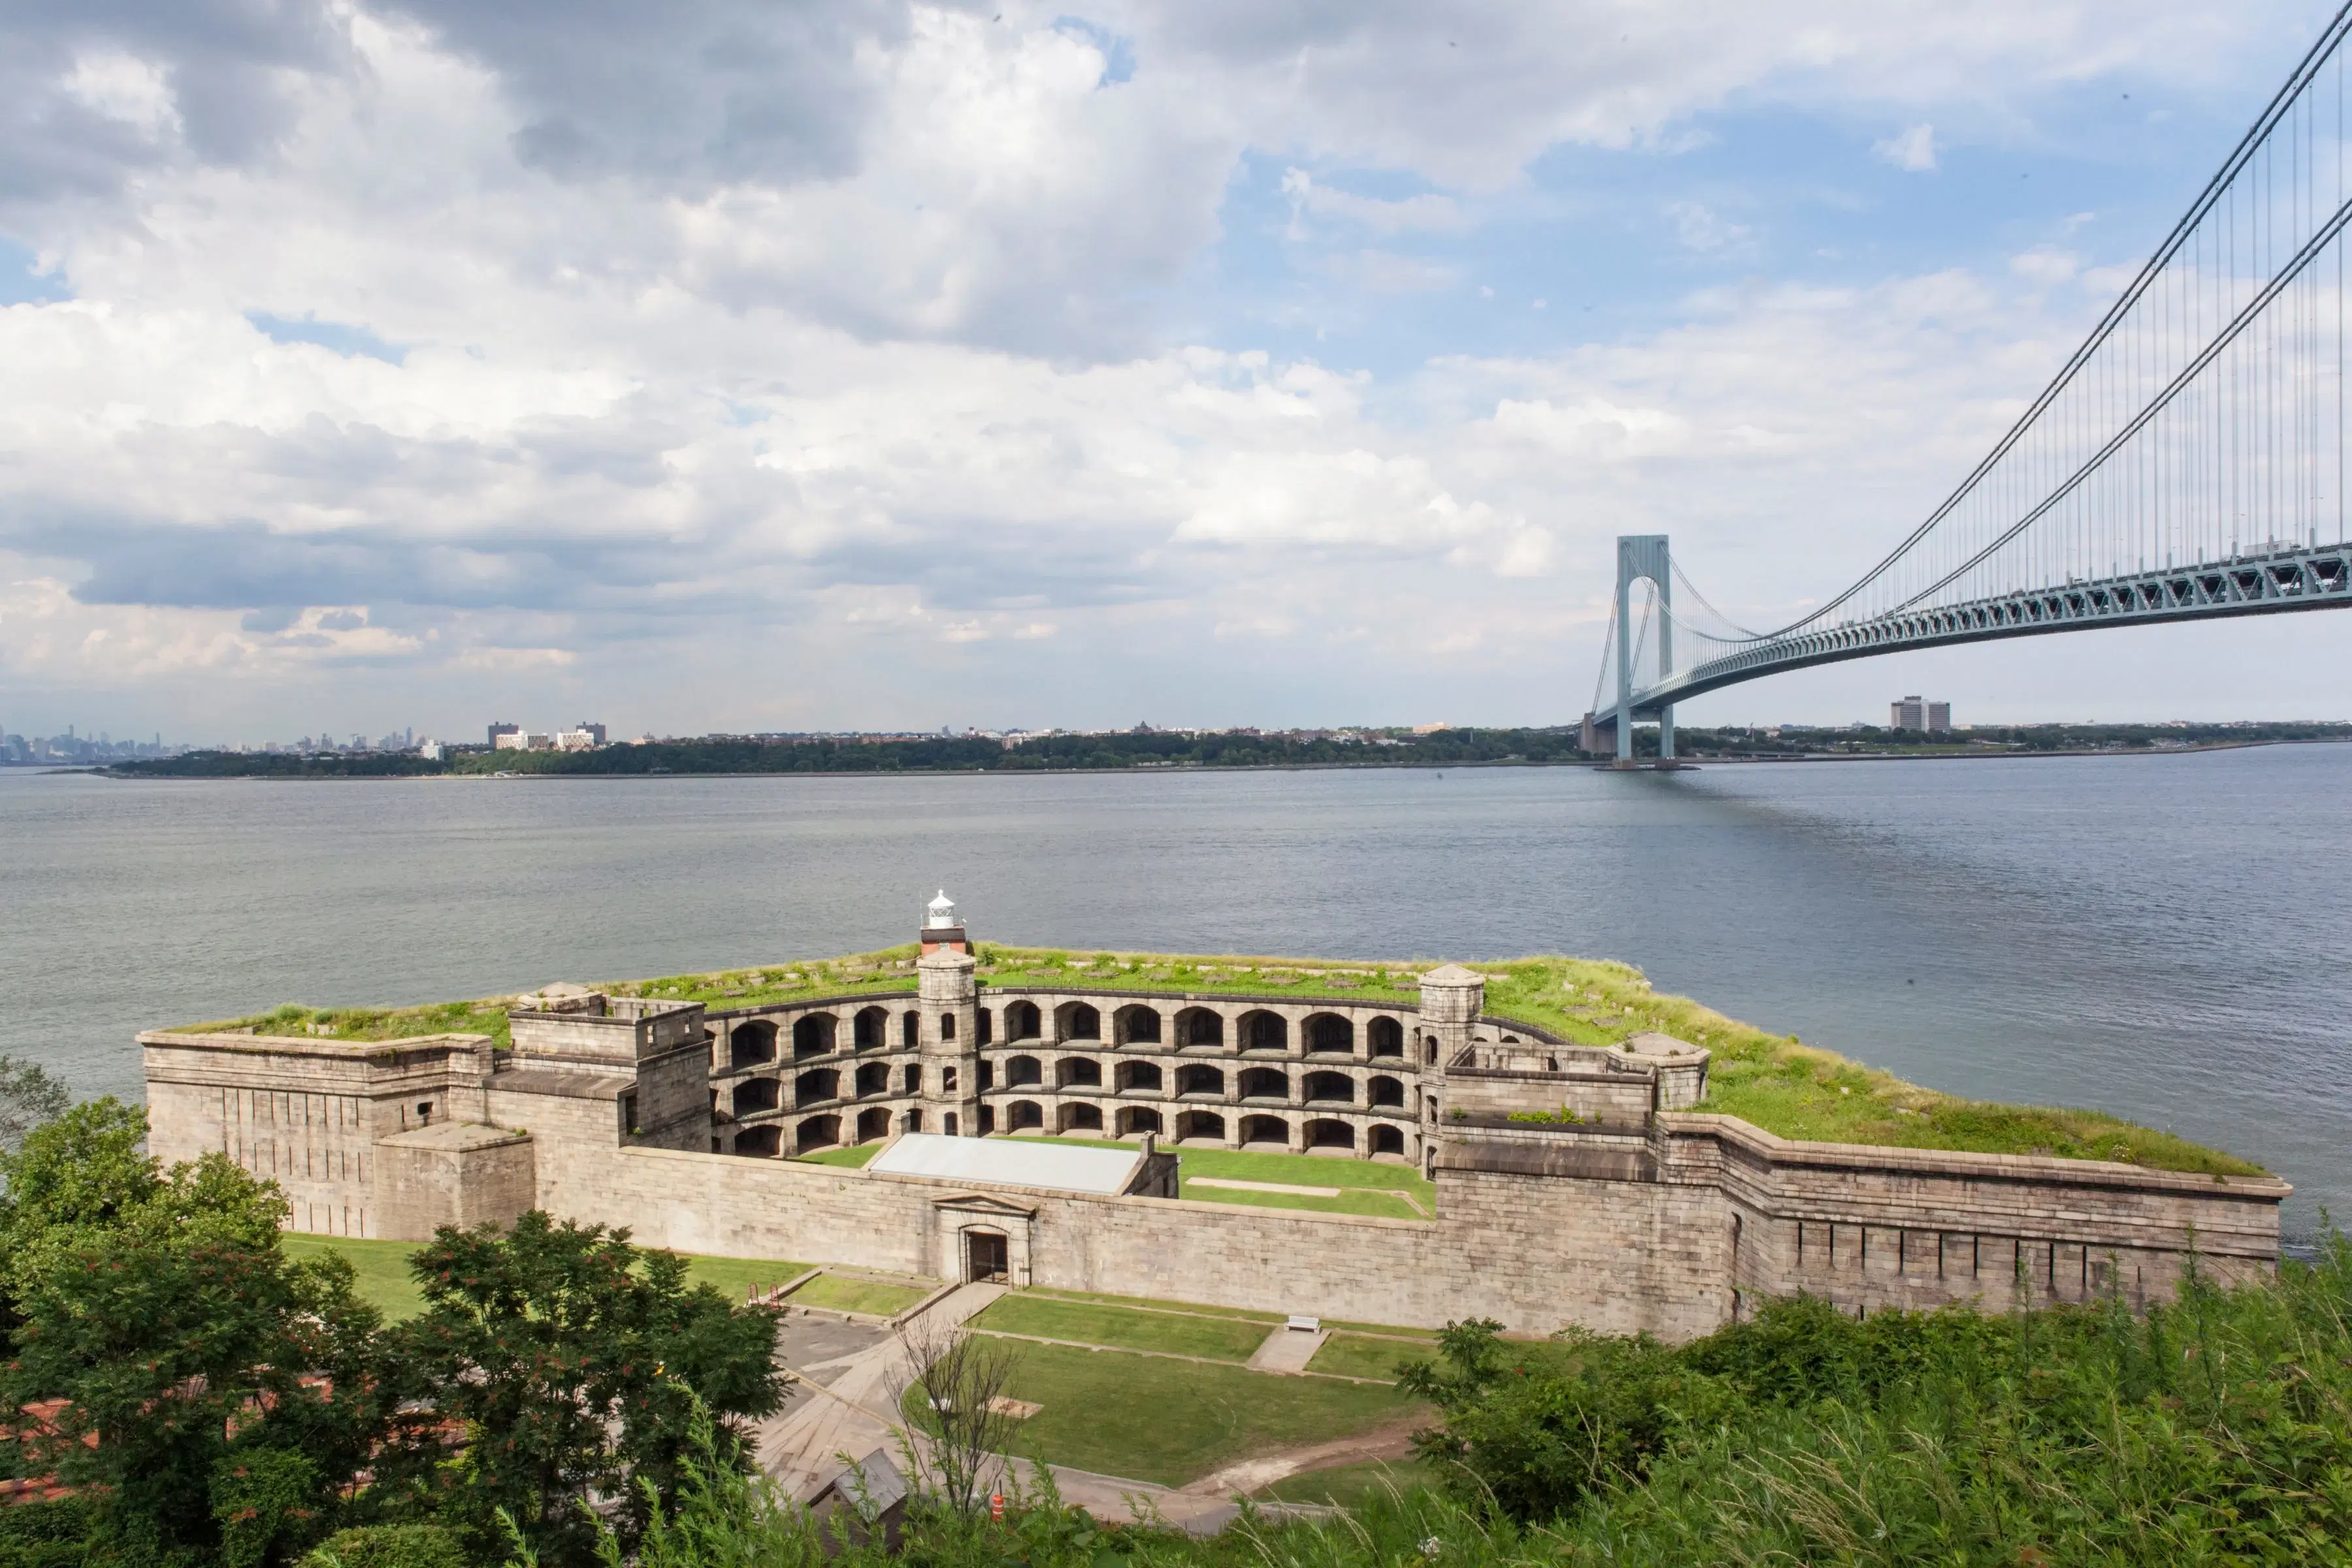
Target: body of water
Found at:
2164, 937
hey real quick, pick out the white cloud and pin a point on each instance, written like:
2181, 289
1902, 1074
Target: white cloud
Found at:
1427, 212
1701, 228
124, 87
1913, 150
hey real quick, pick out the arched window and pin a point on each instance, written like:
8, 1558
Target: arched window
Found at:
1077, 1072
1020, 1071
1136, 1026
1266, 1129
1329, 1135
759, 1142
1331, 1087
1134, 1120
1386, 1037
1199, 1079
1139, 1076
873, 1078
753, 1096
911, 1030
1079, 1022
946, 1026
1388, 1140
752, 1044
1330, 1034
867, 1030
1025, 1113
1264, 1032
817, 1132
1021, 1021
912, 1080
812, 1035
1388, 1091
872, 1124
1203, 1126
1266, 1083
1081, 1118
816, 1088
1200, 1026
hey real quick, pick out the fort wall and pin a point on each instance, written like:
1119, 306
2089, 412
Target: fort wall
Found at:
1638, 1216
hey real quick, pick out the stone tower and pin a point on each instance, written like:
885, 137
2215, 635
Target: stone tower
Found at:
1452, 997
950, 995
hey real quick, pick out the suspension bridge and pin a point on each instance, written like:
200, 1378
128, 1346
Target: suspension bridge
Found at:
2188, 462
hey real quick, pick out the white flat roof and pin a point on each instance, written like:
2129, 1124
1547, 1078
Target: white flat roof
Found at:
1009, 1162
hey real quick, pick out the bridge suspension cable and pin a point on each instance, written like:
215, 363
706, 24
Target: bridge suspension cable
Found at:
2202, 423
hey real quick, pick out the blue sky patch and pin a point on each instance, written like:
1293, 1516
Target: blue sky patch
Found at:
352, 343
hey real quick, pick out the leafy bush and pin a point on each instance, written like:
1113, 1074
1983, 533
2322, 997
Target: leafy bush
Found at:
388, 1546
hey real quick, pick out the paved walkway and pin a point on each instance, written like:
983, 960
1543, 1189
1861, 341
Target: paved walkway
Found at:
1287, 1351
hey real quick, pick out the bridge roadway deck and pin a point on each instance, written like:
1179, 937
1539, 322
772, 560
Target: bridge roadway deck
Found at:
2270, 582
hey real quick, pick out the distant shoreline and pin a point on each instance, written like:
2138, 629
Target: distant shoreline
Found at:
1685, 764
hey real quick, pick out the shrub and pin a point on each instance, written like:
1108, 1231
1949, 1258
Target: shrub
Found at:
388, 1546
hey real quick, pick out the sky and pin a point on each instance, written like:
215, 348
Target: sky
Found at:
759, 366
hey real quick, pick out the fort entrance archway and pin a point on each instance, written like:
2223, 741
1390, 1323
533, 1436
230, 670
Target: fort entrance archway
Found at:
987, 1258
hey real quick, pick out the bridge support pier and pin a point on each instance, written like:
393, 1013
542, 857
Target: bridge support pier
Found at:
1641, 556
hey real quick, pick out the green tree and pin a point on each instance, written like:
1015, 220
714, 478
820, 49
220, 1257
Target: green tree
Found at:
209, 1394
28, 1097
571, 1361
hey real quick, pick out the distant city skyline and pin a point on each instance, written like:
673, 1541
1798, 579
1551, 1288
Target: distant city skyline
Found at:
1041, 367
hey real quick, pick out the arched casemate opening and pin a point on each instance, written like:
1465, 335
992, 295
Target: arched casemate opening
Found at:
1134, 1025
987, 1025
911, 1030
1077, 1072
1332, 1035
873, 1078
1388, 1091
1020, 1072
816, 1088
1021, 1021
1331, 1087
1134, 1120
911, 1122
1266, 1131
1198, 1079
1200, 1026
1135, 1076
1024, 1115
761, 1142
987, 1076
1077, 1021
1385, 1036
988, 1119
1387, 1139
754, 1043
1325, 1133
946, 1026
910, 1078
756, 1095
872, 1124
1429, 1049
1266, 1083
817, 1132
870, 1030
1081, 1118
1200, 1126
1264, 1032
812, 1035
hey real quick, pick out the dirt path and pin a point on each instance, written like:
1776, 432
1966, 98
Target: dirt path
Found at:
1391, 1440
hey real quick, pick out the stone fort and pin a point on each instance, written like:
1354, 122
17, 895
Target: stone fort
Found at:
675, 1119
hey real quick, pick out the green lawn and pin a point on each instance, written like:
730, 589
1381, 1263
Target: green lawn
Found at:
382, 1270
1150, 1419
870, 1296
1361, 1355
1094, 1323
1345, 1486
1368, 1182
854, 1156
1362, 1200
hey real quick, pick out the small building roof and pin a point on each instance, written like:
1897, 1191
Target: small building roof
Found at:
1009, 1162
1453, 974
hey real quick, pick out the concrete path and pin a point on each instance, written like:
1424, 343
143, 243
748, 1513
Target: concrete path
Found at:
1287, 1351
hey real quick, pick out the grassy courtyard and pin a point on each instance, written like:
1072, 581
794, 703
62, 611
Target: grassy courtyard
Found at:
1366, 1186
1182, 1331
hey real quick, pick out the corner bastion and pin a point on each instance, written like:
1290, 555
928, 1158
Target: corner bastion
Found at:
1574, 1185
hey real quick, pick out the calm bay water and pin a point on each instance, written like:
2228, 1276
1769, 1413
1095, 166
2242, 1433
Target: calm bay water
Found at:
2161, 937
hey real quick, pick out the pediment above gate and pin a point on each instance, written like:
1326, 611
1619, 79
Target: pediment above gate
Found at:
981, 1204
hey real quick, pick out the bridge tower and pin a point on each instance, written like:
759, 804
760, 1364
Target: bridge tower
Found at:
1641, 556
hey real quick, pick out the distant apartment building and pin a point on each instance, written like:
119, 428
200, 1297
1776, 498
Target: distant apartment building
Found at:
1919, 713
582, 737
499, 733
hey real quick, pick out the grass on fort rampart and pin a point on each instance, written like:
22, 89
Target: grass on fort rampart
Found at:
1774, 1081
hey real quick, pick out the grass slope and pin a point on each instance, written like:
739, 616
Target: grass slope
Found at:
1774, 1081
